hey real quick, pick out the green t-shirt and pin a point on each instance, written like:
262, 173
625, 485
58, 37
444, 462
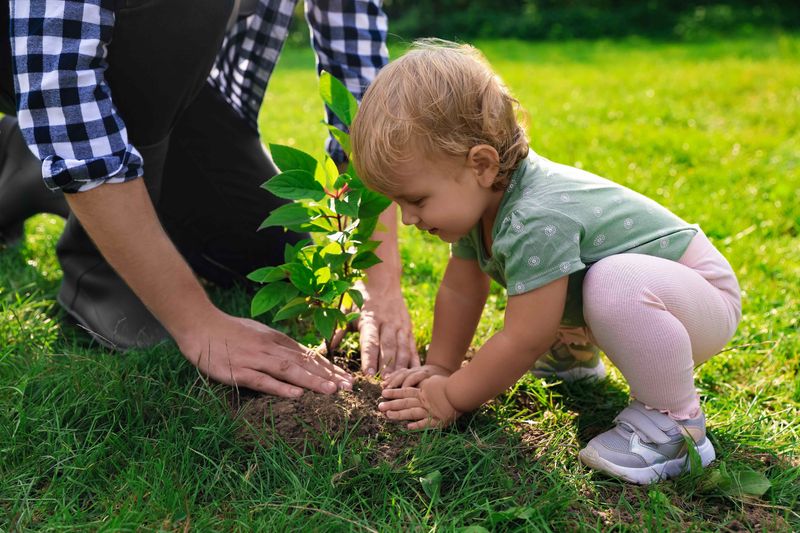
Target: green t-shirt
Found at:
555, 221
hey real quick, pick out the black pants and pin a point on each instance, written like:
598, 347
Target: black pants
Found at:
202, 162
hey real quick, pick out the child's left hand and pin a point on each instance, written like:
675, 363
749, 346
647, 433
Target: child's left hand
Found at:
427, 406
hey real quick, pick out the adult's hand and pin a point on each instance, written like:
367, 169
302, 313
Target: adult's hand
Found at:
245, 353
122, 222
387, 336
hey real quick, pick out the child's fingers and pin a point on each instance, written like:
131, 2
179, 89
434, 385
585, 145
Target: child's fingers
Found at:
395, 379
399, 405
395, 394
427, 422
415, 378
415, 413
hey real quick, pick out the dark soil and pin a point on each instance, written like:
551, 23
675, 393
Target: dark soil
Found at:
317, 418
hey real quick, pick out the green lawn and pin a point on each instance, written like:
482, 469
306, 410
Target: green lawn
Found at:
94, 440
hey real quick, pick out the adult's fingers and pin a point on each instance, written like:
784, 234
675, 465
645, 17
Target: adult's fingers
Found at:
388, 341
323, 367
267, 384
403, 350
370, 345
412, 342
289, 371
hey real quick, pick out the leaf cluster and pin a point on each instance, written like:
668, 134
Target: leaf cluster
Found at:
317, 279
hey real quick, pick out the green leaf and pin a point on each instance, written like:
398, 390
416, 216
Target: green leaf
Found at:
342, 138
333, 290
372, 204
302, 277
364, 260
338, 98
431, 484
325, 322
748, 482
357, 297
333, 248
291, 216
295, 185
366, 228
291, 251
293, 308
287, 158
349, 206
341, 181
368, 246
321, 224
270, 296
266, 275
352, 317
323, 275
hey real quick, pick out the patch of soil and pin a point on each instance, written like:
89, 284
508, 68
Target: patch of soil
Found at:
317, 418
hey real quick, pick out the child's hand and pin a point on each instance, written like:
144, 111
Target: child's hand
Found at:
411, 377
427, 406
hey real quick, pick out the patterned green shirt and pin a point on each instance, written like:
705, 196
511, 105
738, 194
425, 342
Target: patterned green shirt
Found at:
555, 221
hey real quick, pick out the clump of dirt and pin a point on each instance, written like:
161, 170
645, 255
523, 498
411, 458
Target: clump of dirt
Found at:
316, 418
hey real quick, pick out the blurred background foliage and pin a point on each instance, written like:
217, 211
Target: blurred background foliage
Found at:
584, 19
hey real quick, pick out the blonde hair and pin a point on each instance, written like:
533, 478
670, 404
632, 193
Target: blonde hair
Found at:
440, 97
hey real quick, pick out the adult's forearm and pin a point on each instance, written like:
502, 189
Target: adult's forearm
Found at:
122, 222
387, 272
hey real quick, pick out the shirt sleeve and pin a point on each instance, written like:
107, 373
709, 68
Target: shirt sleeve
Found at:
64, 104
536, 247
349, 38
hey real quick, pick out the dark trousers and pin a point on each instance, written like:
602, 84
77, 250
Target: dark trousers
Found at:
203, 164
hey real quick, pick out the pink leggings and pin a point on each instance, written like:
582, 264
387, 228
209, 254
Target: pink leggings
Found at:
658, 319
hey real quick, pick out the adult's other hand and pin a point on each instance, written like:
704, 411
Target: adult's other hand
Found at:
245, 353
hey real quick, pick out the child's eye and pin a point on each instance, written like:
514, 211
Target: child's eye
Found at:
418, 202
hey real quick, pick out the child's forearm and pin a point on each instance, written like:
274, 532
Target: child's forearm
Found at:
458, 308
497, 366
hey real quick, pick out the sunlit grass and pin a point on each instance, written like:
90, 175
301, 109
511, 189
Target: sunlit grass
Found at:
91, 439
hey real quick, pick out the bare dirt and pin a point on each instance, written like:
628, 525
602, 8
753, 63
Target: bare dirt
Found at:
314, 418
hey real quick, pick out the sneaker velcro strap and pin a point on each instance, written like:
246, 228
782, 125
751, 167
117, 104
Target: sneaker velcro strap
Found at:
649, 423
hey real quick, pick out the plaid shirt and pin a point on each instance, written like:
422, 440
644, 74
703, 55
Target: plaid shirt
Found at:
66, 114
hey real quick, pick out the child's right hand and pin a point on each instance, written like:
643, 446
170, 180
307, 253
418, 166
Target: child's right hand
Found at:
412, 377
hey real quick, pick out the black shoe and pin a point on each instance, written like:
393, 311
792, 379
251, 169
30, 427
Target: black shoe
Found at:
99, 300
22, 191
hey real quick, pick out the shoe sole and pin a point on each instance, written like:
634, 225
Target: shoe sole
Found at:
649, 474
596, 373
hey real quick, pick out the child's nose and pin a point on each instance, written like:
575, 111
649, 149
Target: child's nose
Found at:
408, 218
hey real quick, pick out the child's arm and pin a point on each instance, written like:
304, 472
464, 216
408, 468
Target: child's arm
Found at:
459, 304
531, 322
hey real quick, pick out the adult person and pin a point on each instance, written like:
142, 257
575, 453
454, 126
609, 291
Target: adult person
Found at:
159, 165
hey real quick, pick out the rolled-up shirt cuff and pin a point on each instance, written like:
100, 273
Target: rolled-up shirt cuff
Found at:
80, 175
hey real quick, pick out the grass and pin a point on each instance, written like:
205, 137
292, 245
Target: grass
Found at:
94, 440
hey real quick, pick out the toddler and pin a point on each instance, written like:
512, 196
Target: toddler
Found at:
581, 257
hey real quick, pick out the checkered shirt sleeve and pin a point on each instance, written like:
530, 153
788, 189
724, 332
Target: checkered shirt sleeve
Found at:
348, 36
64, 105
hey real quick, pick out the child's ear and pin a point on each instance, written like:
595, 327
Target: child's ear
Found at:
485, 162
